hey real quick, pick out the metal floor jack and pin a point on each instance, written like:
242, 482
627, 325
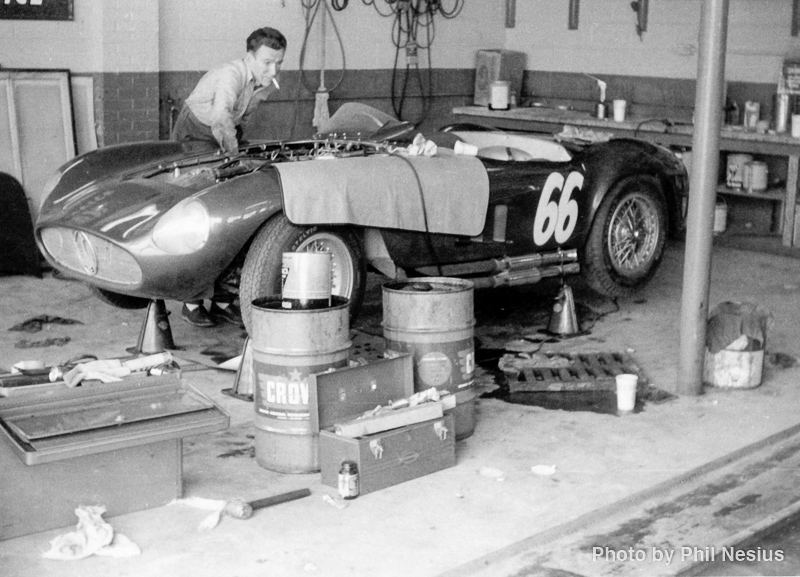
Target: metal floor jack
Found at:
156, 333
244, 385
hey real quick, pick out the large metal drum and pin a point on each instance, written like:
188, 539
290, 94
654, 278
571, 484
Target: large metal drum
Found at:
432, 319
287, 346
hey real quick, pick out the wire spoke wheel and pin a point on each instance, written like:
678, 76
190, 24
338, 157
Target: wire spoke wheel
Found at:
633, 234
627, 238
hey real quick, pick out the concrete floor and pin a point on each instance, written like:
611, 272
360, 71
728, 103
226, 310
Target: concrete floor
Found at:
458, 521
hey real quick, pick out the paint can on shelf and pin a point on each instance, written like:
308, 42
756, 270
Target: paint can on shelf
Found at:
499, 95
735, 169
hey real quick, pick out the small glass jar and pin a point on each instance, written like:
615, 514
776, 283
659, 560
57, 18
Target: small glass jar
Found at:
348, 480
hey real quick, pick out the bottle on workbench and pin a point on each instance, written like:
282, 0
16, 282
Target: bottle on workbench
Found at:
732, 113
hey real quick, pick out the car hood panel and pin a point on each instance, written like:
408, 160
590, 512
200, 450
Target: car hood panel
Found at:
116, 209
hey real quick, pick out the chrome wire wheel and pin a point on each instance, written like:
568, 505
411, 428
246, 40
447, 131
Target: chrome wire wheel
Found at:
342, 265
633, 234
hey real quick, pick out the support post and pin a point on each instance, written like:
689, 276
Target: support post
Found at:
702, 196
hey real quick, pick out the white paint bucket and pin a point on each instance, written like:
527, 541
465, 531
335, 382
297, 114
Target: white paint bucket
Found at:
500, 91
306, 280
754, 178
734, 369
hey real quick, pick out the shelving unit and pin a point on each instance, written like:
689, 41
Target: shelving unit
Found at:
775, 195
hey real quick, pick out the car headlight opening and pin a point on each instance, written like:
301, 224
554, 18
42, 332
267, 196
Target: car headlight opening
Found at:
184, 229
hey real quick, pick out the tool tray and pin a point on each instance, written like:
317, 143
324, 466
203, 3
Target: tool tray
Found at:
67, 423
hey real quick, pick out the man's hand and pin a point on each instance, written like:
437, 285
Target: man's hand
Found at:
225, 133
229, 144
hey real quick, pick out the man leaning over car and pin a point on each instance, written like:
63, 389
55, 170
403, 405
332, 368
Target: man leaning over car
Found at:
215, 111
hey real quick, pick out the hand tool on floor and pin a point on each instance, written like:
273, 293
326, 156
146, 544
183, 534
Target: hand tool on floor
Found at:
237, 508
241, 509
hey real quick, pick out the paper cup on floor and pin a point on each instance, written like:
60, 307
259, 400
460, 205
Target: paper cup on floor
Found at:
619, 110
626, 392
465, 149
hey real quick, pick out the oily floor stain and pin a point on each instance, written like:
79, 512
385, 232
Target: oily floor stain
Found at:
243, 452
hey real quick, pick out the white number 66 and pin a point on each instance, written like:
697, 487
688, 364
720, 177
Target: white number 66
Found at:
558, 218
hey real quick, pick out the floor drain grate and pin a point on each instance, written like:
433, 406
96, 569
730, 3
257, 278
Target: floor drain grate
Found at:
575, 372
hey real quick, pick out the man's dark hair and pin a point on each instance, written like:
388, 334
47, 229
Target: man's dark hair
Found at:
268, 37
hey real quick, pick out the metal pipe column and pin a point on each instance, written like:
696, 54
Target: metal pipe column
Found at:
702, 196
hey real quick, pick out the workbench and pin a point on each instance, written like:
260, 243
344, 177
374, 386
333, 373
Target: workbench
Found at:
664, 132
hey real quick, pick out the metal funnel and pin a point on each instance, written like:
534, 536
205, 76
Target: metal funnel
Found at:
564, 320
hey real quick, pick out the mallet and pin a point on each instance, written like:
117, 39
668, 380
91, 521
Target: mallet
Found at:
241, 509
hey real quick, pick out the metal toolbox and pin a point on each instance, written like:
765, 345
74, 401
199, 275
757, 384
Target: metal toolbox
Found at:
386, 458
116, 444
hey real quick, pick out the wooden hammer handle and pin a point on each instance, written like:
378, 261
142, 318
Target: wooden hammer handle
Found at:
278, 499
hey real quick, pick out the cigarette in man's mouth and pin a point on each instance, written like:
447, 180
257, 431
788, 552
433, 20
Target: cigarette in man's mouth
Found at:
275, 82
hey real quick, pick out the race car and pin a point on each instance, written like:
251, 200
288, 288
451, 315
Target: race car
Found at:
184, 221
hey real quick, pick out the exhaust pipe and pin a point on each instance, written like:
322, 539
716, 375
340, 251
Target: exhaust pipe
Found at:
535, 260
505, 264
525, 276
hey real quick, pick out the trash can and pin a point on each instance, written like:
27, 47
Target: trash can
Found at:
735, 342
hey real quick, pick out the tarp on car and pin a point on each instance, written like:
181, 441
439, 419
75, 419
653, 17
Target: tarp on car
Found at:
388, 192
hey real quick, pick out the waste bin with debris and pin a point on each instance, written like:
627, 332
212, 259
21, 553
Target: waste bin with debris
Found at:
735, 341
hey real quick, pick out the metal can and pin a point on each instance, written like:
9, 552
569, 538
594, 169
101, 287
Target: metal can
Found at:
348, 480
780, 112
752, 114
601, 110
500, 95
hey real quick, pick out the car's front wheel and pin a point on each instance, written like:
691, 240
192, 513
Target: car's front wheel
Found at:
627, 238
261, 274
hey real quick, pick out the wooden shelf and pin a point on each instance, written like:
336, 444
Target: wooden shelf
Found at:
773, 194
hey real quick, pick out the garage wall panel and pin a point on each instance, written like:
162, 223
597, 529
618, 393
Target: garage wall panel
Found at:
37, 128
197, 35
72, 45
606, 41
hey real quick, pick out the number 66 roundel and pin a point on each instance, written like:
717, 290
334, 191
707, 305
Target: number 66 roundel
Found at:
560, 217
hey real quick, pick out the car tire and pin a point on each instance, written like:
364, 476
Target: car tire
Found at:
120, 300
627, 238
261, 273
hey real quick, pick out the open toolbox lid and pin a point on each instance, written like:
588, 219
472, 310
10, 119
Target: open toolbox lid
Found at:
68, 423
345, 394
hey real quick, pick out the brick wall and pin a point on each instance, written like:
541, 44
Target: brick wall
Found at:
130, 109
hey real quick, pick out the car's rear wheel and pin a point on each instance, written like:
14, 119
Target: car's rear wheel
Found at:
120, 300
261, 274
627, 238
